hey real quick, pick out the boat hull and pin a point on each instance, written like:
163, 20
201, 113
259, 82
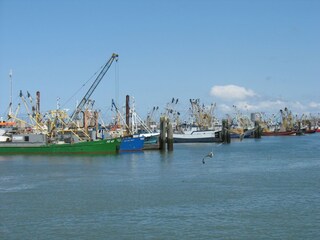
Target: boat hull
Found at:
287, 133
236, 135
129, 144
197, 137
150, 138
108, 146
195, 140
310, 131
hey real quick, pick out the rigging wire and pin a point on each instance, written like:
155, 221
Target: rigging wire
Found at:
117, 82
83, 85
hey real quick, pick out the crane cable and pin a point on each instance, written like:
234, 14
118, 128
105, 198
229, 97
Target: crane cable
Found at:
83, 85
117, 82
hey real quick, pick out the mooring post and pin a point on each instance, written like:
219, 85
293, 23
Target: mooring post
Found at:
169, 136
127, 113
257, 132
163, 131
161, 134
309, 125
299, 126
225, 131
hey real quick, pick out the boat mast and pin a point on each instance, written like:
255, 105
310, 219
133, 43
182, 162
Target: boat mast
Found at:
10, 105
58, 103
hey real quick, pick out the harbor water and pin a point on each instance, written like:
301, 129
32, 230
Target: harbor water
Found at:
265, 188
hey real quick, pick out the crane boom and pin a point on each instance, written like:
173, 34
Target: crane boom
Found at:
93, 86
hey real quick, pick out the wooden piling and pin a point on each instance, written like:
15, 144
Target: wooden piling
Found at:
169, 136
225, 131
258, 131
163, 131
127, 113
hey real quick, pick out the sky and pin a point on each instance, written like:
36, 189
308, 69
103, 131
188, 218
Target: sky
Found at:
260, 56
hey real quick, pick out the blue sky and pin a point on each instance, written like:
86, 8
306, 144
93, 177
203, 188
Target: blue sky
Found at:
257, 55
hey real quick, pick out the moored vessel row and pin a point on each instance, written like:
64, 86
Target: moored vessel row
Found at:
55, 132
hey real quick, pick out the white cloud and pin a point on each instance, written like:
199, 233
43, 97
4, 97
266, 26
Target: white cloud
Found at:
231, 92
268, 107
314, 105
224, 108
265, 106
247, 101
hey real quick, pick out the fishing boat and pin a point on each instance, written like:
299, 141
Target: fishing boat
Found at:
310, 131
279, 133
195, 135
131, 143
38, 144
308, 128
202, 126
122, 128
241, 125
55, 132
128, 142
129, 125
283, 127
39, 140
149, 137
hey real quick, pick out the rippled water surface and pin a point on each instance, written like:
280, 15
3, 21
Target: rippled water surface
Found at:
254, 189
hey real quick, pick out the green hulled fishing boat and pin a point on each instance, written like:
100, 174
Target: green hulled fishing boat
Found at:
33, 144
55, 132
